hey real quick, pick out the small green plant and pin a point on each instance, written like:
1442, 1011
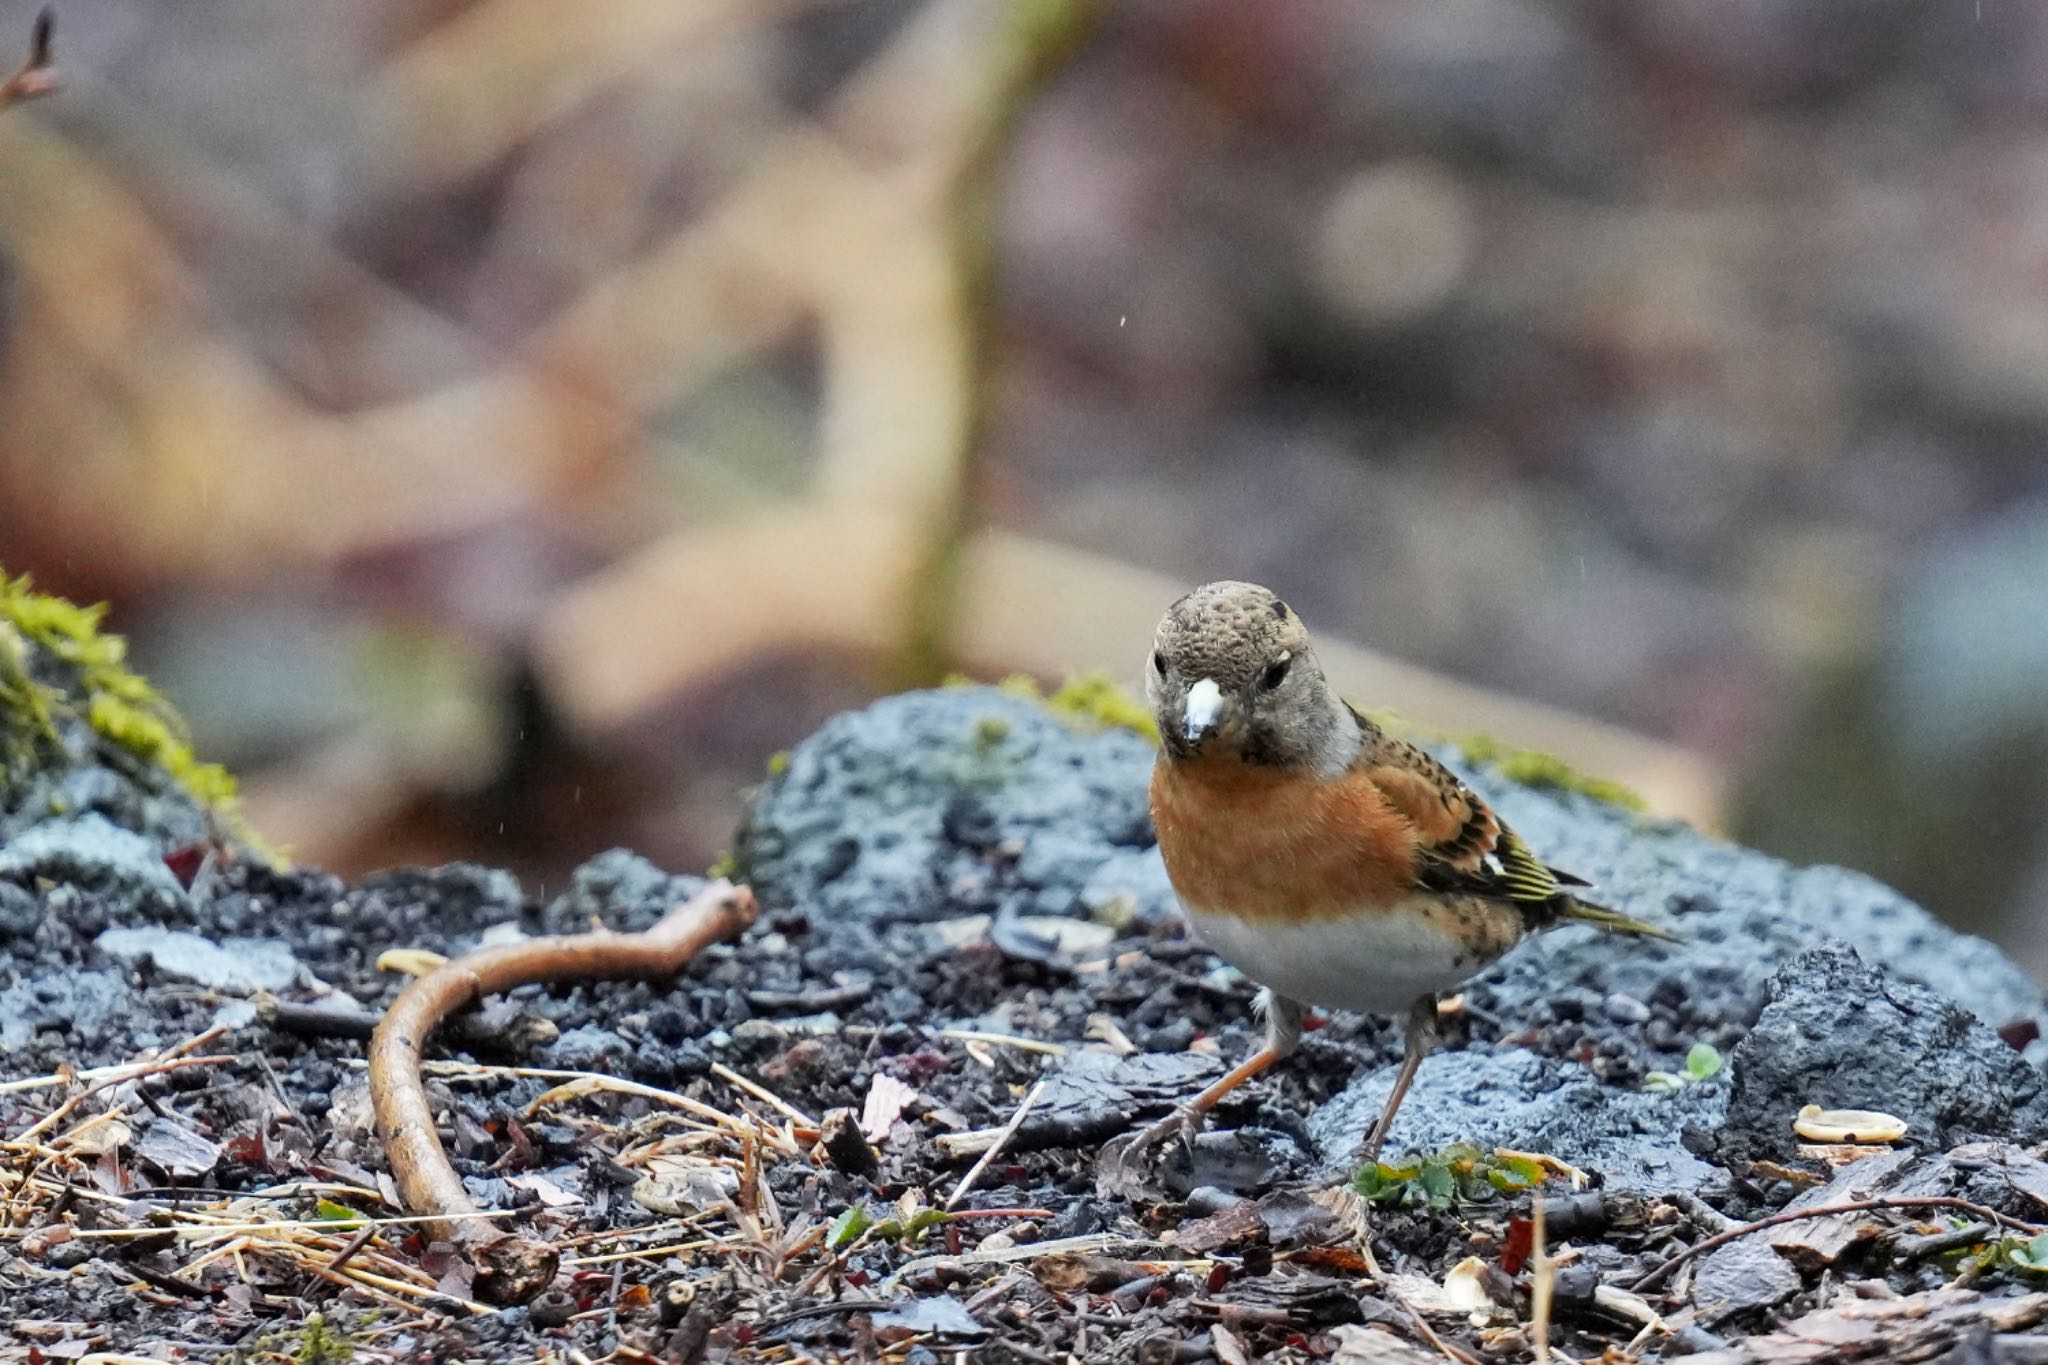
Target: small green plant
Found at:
333, 1211
323, 1345
2026, 1255
1459, 1174
1703, 1063
908, 1223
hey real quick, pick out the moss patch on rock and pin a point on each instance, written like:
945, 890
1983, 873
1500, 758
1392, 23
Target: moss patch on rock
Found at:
67, 696
1533, 768
1095, 701
1087, 702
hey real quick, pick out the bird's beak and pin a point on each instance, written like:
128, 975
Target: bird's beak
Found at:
1201, 710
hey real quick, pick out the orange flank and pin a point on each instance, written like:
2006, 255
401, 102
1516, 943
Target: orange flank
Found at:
1264, 843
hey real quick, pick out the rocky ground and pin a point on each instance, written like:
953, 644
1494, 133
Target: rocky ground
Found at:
967, 938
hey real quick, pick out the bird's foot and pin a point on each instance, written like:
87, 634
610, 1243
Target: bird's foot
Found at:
1126, 1164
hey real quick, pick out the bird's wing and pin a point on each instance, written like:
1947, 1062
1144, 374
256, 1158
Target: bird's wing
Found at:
1452, 825
1460, 844
1462, 848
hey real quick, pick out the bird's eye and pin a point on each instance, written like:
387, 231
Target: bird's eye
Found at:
1275, 672
1158, 663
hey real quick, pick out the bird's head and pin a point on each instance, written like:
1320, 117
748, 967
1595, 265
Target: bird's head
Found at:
1232, 673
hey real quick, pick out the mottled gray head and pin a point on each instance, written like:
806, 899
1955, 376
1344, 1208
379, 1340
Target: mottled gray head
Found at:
1232, 673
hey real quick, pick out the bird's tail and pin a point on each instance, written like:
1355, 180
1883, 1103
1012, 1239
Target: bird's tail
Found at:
1613, 921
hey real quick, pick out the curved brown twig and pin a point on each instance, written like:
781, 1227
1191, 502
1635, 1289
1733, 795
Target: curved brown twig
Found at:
1907, 1201
510, 1268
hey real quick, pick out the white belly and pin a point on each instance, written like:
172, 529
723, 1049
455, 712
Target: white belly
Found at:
1379, 964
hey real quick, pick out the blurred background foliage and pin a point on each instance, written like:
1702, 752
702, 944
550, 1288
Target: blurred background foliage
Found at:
503, 424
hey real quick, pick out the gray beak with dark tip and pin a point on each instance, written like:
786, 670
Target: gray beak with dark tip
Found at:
1200, 712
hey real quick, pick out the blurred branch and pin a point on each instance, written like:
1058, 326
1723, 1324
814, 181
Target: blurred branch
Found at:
473, 88
1041, 37
35, 79
832, 578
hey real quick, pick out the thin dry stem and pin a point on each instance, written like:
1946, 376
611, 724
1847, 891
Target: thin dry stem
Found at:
1002, 1140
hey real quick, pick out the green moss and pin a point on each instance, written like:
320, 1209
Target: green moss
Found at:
1098, 701
778, 763
323, 1345
1087, 702
27, 729
1533, 768
725, 865
117, 703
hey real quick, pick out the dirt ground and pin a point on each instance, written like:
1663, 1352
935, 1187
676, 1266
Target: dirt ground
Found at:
964, 938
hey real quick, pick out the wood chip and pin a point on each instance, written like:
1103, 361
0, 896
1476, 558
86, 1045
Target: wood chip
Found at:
1816, 1243
1915, 1327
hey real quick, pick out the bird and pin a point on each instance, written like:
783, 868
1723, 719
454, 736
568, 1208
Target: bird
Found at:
1331, 862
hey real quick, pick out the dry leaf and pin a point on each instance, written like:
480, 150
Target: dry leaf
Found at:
1229, 1349
409, 961
885, 1103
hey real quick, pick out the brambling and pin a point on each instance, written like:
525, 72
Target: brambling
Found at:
1327, 860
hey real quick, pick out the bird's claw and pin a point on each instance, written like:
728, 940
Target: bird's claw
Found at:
1127, 1162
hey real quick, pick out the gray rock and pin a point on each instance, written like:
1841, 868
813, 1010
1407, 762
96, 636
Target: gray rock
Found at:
242, 964
1746, 1275
90, 851
91, 1005
619, 889
463, 893
940, 805
1093, 1094
1515, 1098
933, 805
1743, 914
1844, 1035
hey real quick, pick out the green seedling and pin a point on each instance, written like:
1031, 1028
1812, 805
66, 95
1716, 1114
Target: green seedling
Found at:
908, 1224
1703, 1063
1459, 1174
332, 1211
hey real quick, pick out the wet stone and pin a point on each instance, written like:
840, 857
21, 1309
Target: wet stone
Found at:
1514, 1098
232, 965
1840, 1033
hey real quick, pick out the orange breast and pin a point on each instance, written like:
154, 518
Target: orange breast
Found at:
1264, 844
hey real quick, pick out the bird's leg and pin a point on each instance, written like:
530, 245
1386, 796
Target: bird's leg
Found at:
1283, 1035
1418, 1038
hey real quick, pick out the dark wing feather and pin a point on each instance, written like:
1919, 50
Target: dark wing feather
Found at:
1452, 825
1462, 848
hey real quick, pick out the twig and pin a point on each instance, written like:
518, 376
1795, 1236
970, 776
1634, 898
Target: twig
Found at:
1542, 1284
513, 1269
1428, 1334
968, 1035
1002, 1139
1927, 1201
348, 1253
1912, 1250
763, 1094
129, 1073
35, 79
